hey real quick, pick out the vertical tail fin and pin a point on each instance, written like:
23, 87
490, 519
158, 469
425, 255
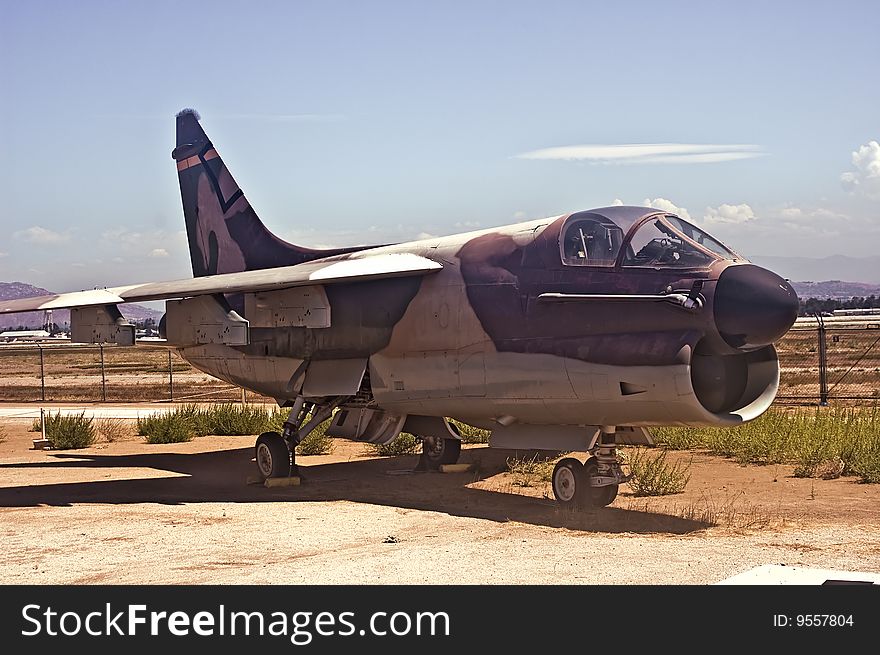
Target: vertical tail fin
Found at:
224, 232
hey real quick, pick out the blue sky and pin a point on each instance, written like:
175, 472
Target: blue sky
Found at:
355, 122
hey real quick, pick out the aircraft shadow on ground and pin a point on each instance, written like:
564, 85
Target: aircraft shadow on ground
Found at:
220, 477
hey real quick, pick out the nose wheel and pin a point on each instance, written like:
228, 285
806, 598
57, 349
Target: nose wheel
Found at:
569, 481
580, 486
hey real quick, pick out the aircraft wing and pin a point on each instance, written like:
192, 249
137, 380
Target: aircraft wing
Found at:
354, 269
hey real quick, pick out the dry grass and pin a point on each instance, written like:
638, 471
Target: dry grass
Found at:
731, 512
114, 429
530, 471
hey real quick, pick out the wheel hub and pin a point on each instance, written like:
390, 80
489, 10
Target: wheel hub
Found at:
433, 447
565, 484
264, 459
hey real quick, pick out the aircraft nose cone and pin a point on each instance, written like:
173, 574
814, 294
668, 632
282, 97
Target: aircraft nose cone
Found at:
753, 306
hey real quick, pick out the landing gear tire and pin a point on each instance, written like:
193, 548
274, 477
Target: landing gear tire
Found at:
569, 482
272, 455
597, 496
437, 451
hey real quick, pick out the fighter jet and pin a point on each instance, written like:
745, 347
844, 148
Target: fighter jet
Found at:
570, 333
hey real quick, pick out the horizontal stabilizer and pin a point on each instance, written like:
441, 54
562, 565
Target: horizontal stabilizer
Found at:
352, 269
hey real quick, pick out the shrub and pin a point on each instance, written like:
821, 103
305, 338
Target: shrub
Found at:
173, 427
470, 434
227, 419
317, 442
72, 431
402, 444
652, 475
233, 419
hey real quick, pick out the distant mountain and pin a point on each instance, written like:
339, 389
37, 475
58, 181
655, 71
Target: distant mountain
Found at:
837, 267
835, 289
14, 290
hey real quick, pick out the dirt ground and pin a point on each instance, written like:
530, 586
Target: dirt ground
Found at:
129, 512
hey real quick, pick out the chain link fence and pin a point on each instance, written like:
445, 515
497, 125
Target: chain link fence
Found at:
825, 360
82, 373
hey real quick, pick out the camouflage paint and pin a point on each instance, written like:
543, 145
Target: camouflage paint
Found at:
224, 232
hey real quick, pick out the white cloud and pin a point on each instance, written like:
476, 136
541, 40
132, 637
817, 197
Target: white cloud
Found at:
729, 214
4, 254
134, 243
810, 220
667, 206
518, 215
866, 176
648, 153
424, 235
37, 234
120, 235
617, 202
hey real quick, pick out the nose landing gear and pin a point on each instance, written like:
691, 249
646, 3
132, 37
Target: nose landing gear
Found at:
594, 483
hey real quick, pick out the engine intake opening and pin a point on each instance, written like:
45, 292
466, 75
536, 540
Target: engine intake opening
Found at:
744, 383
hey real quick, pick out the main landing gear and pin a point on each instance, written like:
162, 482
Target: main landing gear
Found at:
274, 459
276, 452
591, 484
437, 451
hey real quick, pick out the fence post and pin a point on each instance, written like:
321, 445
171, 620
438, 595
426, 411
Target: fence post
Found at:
103, 376
823, 362
170, 377
42, 376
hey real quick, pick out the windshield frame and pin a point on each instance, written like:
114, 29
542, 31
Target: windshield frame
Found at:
713, 256
601, 220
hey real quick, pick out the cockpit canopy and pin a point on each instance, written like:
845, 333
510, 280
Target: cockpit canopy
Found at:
593, 241
660, 240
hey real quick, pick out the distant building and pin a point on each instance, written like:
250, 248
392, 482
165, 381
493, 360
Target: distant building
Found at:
865, 311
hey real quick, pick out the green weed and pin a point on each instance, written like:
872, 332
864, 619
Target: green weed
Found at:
652, 475
817, 442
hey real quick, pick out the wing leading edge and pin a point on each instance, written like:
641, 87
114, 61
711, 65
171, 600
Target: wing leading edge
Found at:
354, 269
